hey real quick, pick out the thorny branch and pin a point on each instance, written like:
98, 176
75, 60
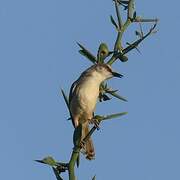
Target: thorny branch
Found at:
118, 52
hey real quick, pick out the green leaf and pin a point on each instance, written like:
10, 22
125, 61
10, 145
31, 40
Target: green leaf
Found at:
87, 53
65, 98
107, 117
123, 2
105, 89
123, 58
94, 178
105, 97
138, 34
113, 93
56, 174
113, 22
67, 103
48, 160
134, 15
78, 160
112, 116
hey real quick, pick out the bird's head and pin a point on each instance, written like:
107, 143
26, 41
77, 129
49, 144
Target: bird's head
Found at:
105, 71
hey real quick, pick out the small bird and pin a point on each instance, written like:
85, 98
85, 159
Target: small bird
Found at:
83, 97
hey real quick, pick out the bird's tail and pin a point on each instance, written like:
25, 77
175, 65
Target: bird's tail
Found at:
89, 147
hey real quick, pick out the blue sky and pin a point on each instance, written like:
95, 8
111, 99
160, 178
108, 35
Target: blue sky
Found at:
39, 55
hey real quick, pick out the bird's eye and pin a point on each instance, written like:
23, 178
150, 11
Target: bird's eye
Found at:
100, 68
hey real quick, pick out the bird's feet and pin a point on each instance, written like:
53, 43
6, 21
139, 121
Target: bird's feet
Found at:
82, 144
95, 122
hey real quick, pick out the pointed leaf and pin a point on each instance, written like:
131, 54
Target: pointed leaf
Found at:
47, 160
124, 2
154, 32
65, 98
113, 22
105, 97
138, 34
105, 86
112, 91
134, 15
67, 103
56, 174
125, 8
94, 178
87, 53
116, 95
98, 117
141, 30
78, 160
112, 116
90, 58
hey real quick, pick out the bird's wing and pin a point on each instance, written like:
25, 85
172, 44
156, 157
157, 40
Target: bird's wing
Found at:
71, 93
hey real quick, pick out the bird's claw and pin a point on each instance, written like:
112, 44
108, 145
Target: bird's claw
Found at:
82, 144
95, 122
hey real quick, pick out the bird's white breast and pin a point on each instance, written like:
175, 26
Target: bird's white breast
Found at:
88, 94
85, 96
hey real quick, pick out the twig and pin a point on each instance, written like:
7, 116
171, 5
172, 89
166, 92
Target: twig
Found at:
118, 43
139, 19
136, 43
130, 9
118, 14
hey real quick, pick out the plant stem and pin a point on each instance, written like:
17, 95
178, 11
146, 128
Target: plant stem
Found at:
75, 155
122, 28
72, 162
130, 9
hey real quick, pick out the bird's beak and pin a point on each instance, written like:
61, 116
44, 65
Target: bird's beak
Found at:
115, 74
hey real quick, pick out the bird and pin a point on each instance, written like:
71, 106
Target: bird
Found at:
83, 97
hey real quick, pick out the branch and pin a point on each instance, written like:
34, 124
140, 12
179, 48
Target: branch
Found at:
118, 43
119, 51
136, 43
